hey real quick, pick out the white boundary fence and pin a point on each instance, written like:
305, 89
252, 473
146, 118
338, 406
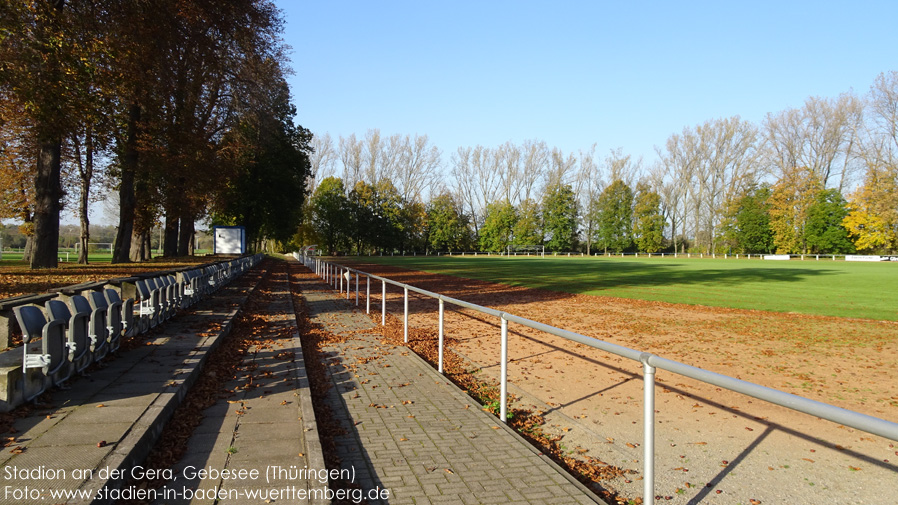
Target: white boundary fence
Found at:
335, 275
687, 255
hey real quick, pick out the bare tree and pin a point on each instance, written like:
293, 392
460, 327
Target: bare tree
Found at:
462, 172
561, 168
352, 156
881, 146
322, 159
418, 166
728, 166
535, 156
373, 157
622, 167
589, 184
823, 136
511, 174
678, 164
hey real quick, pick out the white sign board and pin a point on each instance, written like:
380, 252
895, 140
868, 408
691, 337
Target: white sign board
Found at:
778, 257
858, 257
229, 240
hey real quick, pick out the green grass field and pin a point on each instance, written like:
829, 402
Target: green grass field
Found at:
831, 288
15, 257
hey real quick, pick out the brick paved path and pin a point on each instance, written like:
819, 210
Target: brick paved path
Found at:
411, 432
268, 427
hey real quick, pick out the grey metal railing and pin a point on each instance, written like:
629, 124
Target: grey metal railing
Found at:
330, 272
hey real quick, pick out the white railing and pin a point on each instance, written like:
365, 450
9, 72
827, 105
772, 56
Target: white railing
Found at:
335, 274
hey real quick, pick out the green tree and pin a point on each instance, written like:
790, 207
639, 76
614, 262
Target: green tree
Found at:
448, 228
648, 225
330, 213
615, 207
528, 230
392, 225
824, 232
496, 234
560, 217
746, 227
366, 222
267, 193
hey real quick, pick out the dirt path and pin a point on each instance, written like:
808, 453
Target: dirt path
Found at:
713, 446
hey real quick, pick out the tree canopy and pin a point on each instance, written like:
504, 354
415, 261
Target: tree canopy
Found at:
189, 112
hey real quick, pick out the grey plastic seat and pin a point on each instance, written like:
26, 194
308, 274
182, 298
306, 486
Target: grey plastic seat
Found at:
53, 356
149, 304
76, 333
113, 318
129, 329
96, 328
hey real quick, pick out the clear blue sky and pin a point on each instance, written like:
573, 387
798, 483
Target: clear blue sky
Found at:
619, 74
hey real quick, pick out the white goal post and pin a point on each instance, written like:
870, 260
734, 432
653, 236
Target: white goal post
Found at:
97, 246
527, 250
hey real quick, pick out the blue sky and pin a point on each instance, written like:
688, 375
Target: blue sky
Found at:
619, 74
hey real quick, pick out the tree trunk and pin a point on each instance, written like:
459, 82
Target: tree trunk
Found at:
86, 171
47, 204
29, 237
127, 200
185, 238
170, 237
147, 249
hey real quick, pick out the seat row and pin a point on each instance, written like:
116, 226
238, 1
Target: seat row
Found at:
64, 339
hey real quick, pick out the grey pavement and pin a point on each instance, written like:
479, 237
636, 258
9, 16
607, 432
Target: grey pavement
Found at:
261, 444
95, 435
415, 437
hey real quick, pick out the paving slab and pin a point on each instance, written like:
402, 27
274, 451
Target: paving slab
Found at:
413, 437
260, 445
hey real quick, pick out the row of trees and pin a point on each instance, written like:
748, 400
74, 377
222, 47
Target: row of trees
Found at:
376, 217
818, 178
180, 106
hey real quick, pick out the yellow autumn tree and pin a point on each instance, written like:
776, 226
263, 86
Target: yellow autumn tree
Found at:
872, 220
16, 166
792, 197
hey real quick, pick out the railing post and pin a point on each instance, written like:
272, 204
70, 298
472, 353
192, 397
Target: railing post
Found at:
405, 316
383, 303
503, 374
342, 274
440, 357
357, 288
648, 442
367, 294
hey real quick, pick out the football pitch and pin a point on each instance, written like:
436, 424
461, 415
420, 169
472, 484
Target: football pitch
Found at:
828, 288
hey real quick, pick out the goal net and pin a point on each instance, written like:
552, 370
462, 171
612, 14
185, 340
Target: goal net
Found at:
95, 247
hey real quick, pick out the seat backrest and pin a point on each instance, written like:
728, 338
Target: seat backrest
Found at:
97, 300
31, 320
57, 309
142, 289
112, 296
81, 304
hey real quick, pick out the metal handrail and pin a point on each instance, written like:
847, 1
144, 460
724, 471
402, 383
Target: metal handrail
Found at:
651, 362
